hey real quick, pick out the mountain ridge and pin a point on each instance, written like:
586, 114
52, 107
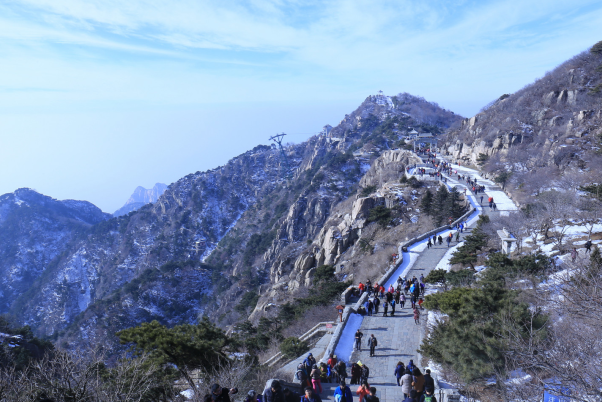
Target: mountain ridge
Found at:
140, 197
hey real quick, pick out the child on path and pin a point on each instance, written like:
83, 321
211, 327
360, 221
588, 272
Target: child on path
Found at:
416, 316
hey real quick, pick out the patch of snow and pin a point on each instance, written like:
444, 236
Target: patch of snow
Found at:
344, 348
444, 262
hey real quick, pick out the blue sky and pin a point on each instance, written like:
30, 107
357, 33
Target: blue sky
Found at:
100, 96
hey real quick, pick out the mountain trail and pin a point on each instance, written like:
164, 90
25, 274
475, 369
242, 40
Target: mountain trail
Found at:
399, 337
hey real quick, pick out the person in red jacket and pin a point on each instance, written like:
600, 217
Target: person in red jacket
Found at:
362, 288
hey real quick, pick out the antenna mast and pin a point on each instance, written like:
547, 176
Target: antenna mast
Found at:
283, 159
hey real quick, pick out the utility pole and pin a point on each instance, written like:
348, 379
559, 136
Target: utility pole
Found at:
283, 159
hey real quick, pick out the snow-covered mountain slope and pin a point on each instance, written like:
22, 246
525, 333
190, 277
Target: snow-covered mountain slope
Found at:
34, 230
212, 236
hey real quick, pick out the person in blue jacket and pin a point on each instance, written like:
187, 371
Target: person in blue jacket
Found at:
342, 393
399, 371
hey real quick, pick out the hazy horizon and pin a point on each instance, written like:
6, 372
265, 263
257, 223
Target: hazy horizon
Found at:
99, 98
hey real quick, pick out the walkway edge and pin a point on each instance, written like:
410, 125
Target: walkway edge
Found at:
334, 341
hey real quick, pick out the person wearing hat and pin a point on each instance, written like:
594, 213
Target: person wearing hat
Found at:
342, 393
219, 394
310, 360
316, 375
310, 396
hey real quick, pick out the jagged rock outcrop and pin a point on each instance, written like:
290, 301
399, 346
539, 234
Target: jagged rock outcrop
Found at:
542, 118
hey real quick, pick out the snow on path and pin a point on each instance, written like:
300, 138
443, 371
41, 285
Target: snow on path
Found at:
344, 347
444, 262
409, 258
502, 201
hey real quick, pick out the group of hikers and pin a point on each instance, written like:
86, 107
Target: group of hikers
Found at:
432, 241
392, 298
416, 387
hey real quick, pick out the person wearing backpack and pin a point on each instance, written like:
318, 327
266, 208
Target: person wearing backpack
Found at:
302, 375
428, 397
372, 343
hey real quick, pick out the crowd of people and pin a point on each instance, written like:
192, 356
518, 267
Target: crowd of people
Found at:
416, 386
392, 299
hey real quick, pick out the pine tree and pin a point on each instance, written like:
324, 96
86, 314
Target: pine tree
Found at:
453, 205
426, 204
467, 253
185, 347
439, 205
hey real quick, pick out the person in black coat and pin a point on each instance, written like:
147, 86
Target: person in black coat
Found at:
290, 396
429, 382
274, 393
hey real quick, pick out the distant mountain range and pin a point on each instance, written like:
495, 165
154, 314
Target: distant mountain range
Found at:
235, 241
140, 197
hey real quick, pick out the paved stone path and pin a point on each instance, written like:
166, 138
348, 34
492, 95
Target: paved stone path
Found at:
399, 337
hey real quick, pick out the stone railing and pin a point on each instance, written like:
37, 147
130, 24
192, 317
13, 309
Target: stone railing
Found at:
445, 395
320, 327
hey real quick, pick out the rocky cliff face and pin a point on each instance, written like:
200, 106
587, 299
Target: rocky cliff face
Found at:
245, 226
561, 110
